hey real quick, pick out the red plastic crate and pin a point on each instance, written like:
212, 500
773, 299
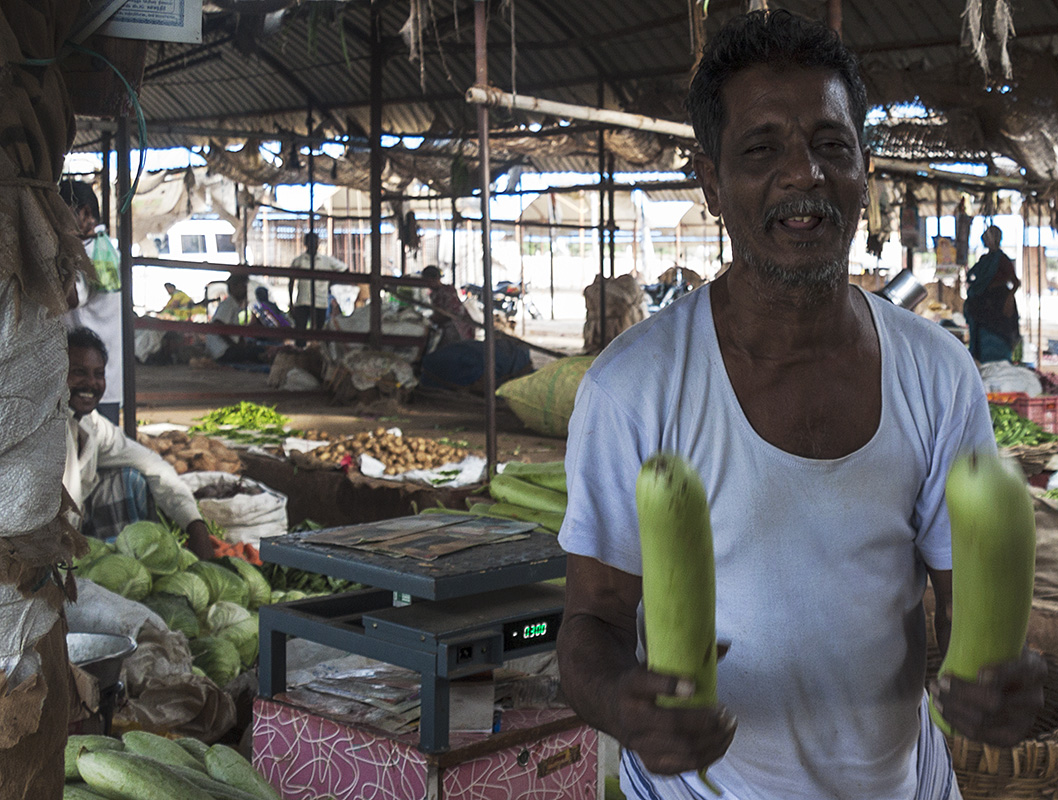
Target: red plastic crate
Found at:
1042, 410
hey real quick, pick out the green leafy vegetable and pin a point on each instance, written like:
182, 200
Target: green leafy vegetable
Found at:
243, 416
237, 625
121, 574
176, 612
187, 585
216, 657
152, 545
260, 593
223, 584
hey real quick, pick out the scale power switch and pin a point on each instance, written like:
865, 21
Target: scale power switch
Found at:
466, 656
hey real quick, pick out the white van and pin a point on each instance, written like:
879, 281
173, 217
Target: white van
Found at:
203, 240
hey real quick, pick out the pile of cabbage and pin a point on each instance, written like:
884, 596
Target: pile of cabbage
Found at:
213, 603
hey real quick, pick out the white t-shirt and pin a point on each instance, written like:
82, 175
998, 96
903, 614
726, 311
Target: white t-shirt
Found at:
303, 286
820, 562
94, 443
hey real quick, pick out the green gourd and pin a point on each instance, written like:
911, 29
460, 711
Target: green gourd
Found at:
993, 543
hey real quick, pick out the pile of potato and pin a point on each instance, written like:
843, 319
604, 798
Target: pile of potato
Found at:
398, 453
192, 453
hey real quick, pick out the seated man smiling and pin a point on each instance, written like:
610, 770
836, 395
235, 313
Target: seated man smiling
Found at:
114, 480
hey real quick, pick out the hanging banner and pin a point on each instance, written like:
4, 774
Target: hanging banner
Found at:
157, 20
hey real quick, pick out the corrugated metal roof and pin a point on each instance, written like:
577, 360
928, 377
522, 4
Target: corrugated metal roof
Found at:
636, 55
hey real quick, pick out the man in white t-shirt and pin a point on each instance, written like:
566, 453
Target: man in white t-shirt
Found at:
823, 421
310, 299
114, 480
232, 310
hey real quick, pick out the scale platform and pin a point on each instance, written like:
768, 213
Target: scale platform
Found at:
477, 569
478, 608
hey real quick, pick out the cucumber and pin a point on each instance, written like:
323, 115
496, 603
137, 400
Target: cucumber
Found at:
158, 748
91, 742
125, 776
226, 765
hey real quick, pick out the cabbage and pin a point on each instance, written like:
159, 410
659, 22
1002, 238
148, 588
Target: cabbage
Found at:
122, 574
97, 548
217, 657
223, 583
259, 590
176, 612
237, 625
187, 558
189, 586
152, 544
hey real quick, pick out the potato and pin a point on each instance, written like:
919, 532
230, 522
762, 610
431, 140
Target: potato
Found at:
180, 466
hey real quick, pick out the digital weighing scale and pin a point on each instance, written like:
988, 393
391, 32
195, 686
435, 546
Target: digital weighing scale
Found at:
472, 610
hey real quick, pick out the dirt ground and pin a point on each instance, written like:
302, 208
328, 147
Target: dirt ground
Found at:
180, 394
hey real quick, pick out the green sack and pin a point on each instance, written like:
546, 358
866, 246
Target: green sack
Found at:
107, 263
543, 401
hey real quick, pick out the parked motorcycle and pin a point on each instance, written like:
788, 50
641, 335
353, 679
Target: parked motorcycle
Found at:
662, 294
507, 296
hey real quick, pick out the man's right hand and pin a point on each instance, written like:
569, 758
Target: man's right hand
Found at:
669, 740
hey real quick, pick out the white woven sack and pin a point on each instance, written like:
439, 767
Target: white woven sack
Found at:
246, 517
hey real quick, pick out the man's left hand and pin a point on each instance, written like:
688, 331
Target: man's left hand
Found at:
1000, 708
198, 540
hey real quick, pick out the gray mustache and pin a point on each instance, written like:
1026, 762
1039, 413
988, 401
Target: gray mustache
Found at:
803, 207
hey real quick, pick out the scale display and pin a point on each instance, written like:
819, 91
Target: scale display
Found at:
530, 632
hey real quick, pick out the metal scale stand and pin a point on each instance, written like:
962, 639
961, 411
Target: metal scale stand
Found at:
471, 611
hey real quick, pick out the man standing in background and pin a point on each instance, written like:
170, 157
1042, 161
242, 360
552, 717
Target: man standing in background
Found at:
98, 301
309, 298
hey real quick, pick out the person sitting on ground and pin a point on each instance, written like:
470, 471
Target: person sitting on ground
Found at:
179, 305
225, 349
449, 313
267, 312
114, 480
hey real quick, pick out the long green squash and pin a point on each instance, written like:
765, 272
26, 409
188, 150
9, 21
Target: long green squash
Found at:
993, 543
679, 577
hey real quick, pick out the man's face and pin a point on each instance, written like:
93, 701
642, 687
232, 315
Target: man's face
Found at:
791, 182
238, 290
87, 380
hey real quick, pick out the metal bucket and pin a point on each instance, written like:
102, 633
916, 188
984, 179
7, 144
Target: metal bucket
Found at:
904, 290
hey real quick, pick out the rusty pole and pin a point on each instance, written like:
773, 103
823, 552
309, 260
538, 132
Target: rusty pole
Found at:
375, 187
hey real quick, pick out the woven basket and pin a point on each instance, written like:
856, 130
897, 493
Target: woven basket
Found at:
1032, 459
1029, 770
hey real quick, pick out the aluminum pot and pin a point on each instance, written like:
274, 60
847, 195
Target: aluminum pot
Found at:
904, 290
100, 654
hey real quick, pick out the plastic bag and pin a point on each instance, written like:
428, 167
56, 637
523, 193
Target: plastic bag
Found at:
107, 263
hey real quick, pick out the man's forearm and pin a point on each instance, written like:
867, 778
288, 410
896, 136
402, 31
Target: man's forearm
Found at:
592, 656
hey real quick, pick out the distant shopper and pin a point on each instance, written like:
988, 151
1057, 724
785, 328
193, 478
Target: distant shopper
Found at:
991, 308
98, 306
232, 310
180, 304
310, 298
267, 312
114, 480
449, 313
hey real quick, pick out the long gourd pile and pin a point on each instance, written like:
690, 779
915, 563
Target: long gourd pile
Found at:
145, 766
529, 493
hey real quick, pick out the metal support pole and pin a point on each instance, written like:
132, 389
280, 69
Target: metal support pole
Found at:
834, 15
107, 144
375, 319
128, 336
481, 77
312, 222
611, 222
602, 229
